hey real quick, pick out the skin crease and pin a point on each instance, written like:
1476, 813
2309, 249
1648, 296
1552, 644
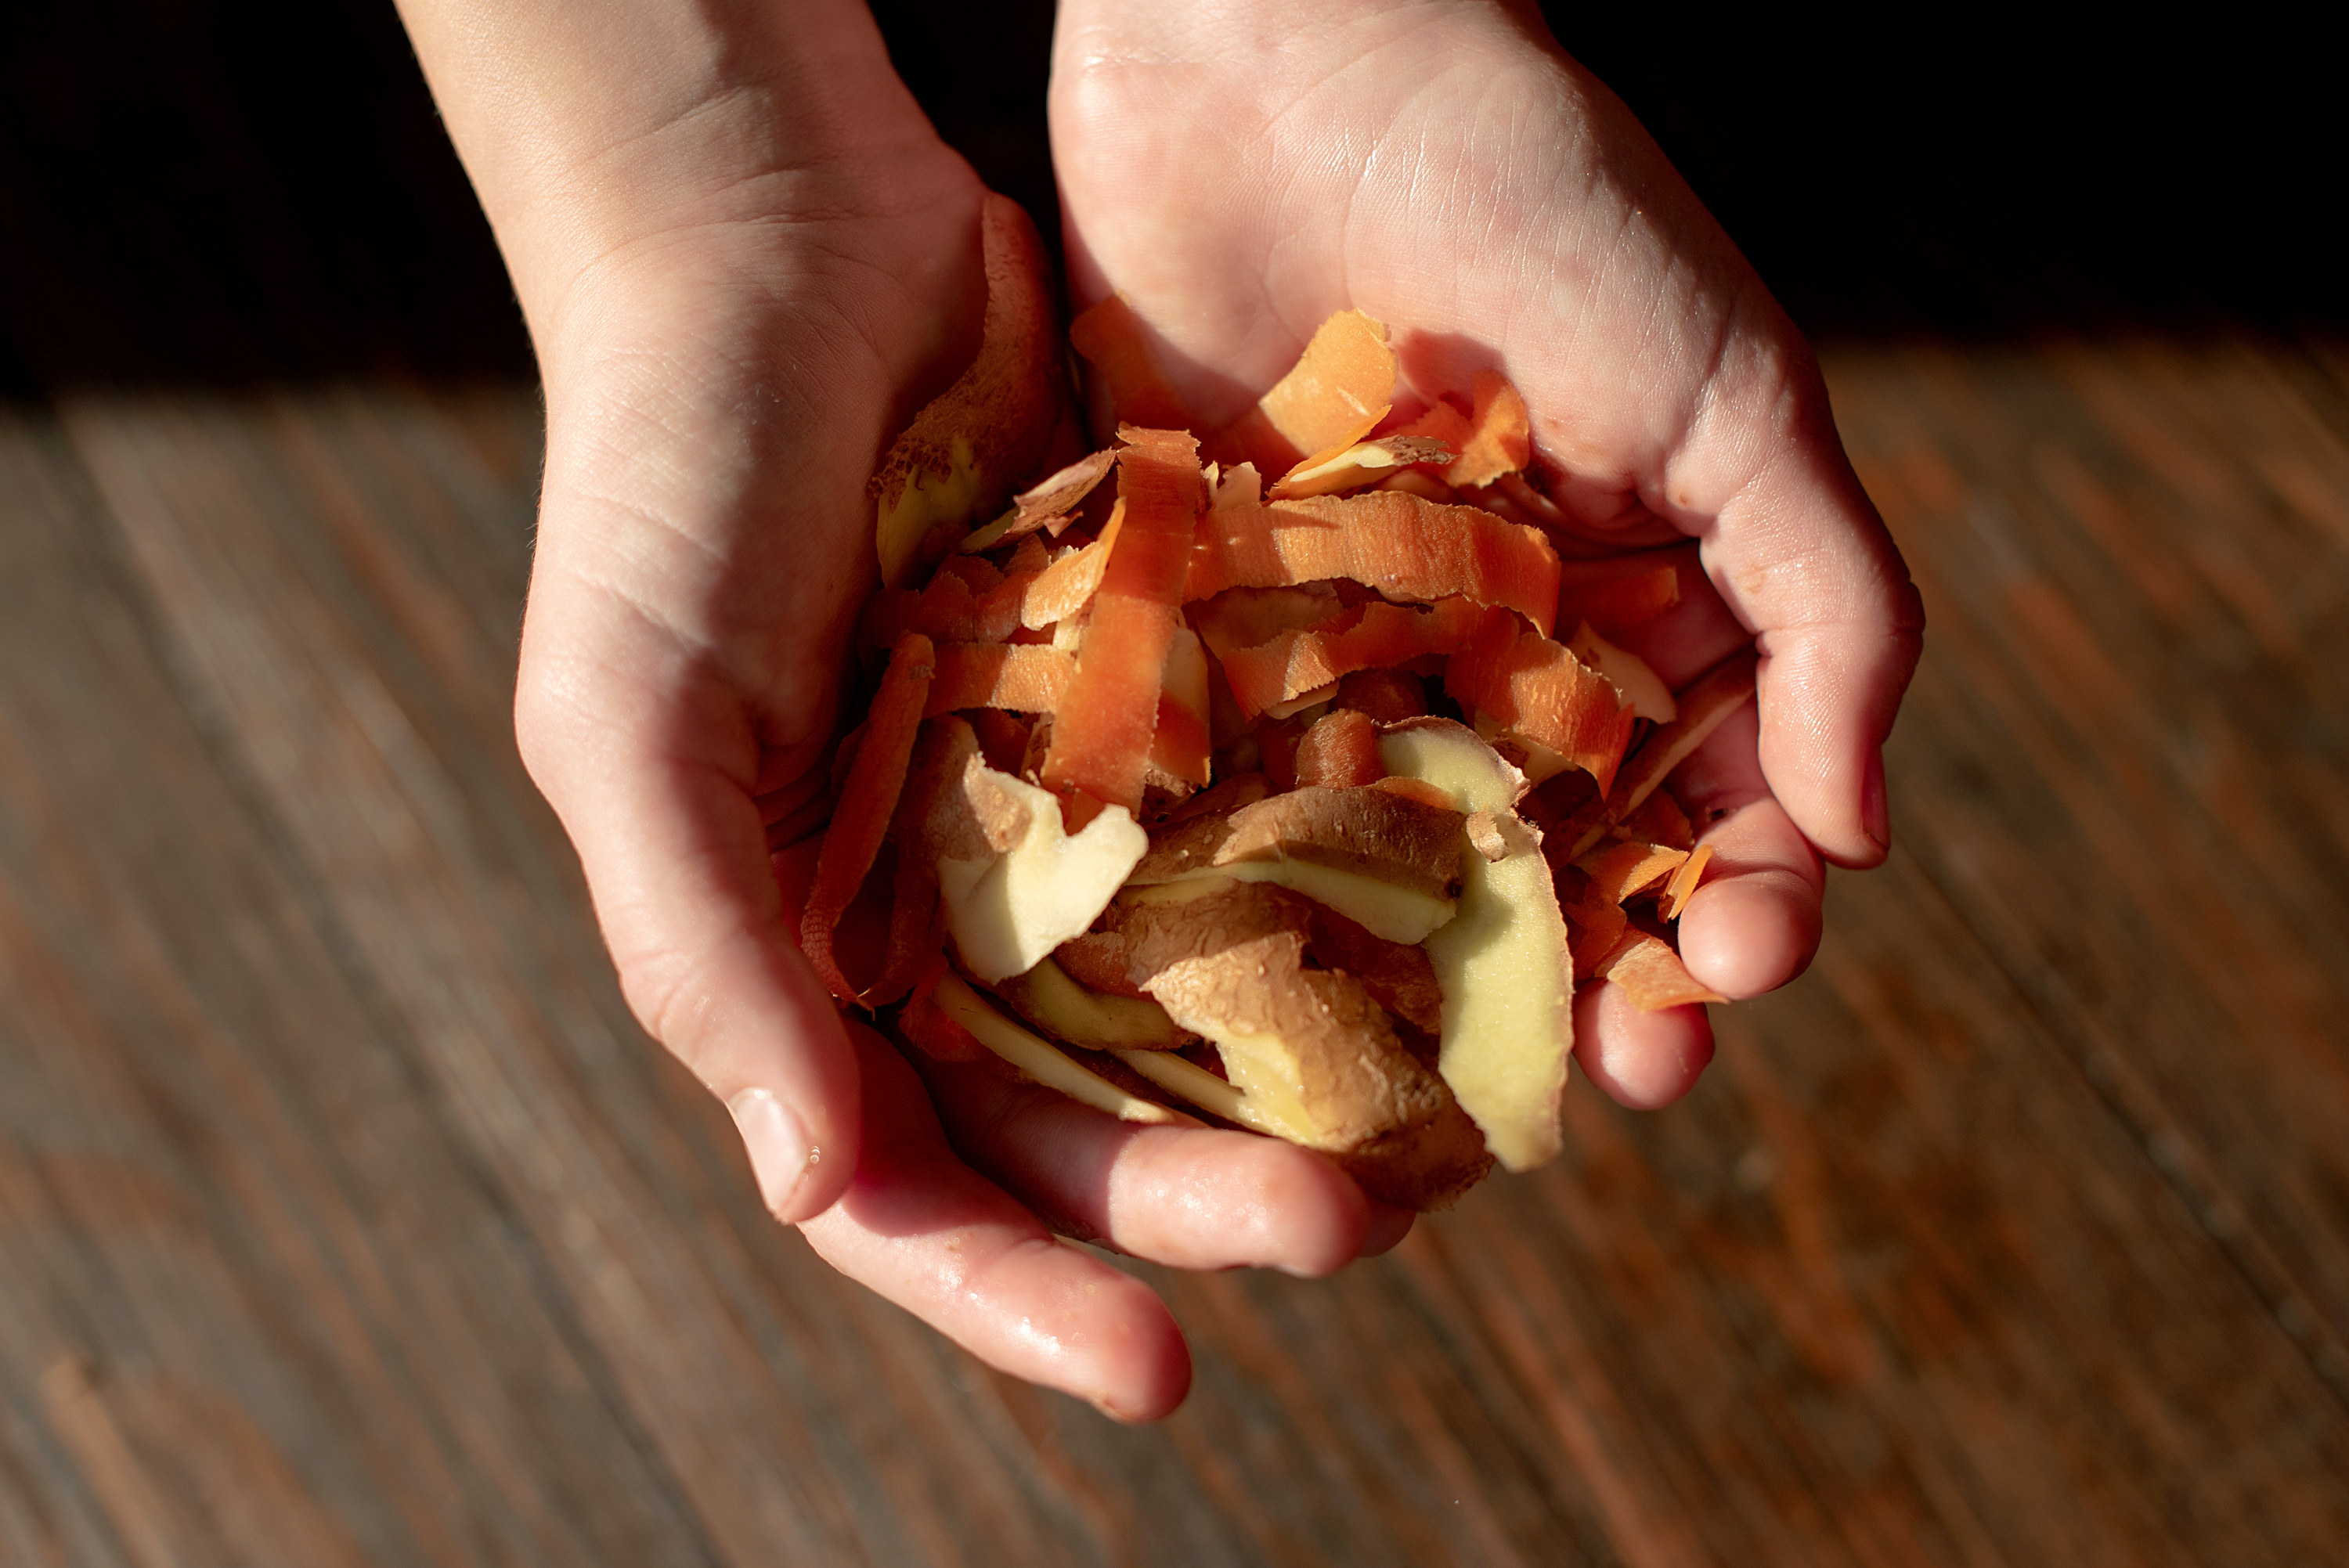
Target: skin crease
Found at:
745, 260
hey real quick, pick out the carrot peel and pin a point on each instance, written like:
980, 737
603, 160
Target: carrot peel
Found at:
868, 801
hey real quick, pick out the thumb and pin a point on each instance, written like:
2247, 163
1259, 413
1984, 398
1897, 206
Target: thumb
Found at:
650, 766
1801, 558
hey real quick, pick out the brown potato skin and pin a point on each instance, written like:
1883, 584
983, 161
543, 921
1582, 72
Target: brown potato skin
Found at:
1376, 832
1097, 962
1235, 960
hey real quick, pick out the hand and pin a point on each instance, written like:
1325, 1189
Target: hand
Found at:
1241, 170
745, 260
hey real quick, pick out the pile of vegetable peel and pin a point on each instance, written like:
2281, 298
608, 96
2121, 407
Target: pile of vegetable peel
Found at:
1299, 804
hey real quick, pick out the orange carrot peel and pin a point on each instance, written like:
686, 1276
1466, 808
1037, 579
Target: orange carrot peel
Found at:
1377, 636
1339, 390
1500, 434
1404, 546
1704, 705
1024, 677
1110, 712
1647, 967
1524, 686
868, 799
1683, 885
1612, 595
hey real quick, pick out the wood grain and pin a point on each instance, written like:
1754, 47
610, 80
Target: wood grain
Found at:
345, 1218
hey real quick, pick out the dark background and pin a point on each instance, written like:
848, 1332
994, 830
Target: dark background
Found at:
233, 191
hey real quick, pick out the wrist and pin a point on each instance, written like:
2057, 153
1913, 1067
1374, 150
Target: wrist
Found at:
591, 127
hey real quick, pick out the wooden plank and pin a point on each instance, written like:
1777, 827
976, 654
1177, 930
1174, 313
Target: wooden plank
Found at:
218, 1172
2137, 797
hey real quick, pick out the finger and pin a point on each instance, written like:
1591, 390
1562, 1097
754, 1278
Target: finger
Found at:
649, 766
1755, 923
933, 1235
1800, 556
1790, 543
1644, 1061
1187, 1197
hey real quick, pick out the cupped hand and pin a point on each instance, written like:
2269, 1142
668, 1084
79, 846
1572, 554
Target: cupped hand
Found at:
1239, 171
746, 259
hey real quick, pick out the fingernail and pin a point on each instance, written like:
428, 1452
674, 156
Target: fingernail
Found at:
1875, 805
781, 1154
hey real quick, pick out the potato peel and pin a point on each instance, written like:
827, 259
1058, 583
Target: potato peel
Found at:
1358, 463
1641, 689
1215, 1095
1044, 1062
1179, 748
927, 1027
1339, 752
1445, 423
968, 448
1505, 961
1308, 1049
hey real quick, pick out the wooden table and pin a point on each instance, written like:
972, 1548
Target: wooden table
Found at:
347, 1218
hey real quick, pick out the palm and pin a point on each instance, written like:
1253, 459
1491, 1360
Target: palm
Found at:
741, 414
1238, 174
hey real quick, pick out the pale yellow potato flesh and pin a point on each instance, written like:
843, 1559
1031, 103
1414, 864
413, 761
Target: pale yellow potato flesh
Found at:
1178, 1076
1042, 1060
1273, 1100
1365, 462
1507, 978
1008, 911
1046, 995
926, 504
